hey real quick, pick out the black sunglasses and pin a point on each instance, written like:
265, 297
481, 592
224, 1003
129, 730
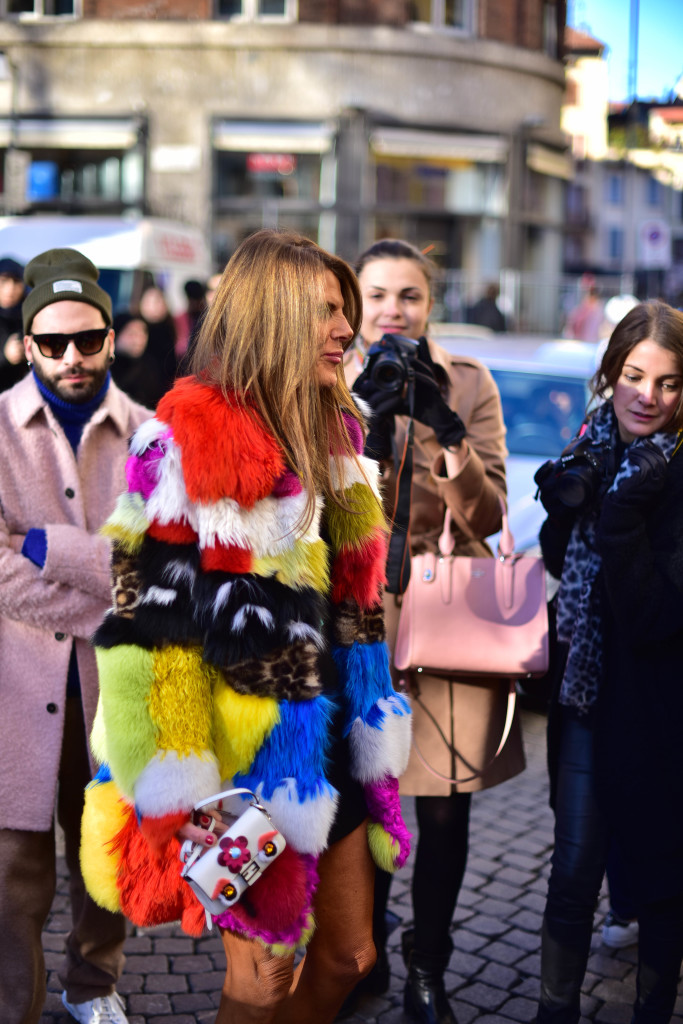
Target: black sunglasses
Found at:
88, 343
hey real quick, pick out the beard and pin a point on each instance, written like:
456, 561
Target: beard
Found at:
79, 391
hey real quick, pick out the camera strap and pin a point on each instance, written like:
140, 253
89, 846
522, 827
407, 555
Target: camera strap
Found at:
398, 556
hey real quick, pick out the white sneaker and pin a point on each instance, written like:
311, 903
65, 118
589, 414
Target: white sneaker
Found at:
618, 934
106, 1010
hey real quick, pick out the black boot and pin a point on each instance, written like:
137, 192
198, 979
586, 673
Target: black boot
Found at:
424, 996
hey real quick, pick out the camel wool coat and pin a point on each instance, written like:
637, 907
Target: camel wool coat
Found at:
471, 714
42, 611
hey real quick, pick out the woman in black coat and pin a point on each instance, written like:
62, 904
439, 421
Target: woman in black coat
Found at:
614, 538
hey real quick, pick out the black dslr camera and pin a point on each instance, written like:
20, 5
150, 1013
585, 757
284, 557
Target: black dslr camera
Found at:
574, 480
387, 361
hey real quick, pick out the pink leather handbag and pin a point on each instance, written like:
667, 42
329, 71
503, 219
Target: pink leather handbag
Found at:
465, 617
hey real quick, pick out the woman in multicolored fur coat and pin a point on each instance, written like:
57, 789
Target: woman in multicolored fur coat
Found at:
246, 645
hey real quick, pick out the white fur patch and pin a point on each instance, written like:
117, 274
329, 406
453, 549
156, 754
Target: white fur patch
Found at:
98, 736
170, 783
352, 473
305, 825
364, 407
159, 595
169, 503
270, 527
379, 752
239, 620
179, 572
222, 597
297, 631
147, 434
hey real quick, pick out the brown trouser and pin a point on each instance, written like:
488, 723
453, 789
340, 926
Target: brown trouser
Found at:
94, 949
261, 988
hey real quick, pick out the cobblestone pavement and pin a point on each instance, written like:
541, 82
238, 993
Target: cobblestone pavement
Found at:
493, 974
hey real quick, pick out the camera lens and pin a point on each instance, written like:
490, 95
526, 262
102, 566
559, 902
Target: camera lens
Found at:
573, 488
389, 373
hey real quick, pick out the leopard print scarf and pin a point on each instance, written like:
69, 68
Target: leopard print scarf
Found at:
579, 608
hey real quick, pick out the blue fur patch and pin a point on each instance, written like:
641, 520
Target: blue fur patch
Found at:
296, 748
364, 669
103, 775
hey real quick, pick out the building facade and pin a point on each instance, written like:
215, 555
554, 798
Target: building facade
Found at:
348, 120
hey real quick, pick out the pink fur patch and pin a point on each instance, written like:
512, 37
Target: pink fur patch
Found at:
359, 572
354, 431
288, 485
384, 807
142, 471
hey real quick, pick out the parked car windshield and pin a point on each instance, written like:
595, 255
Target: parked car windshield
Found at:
542, 413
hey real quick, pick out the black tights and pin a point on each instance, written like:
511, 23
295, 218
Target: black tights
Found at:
441, 856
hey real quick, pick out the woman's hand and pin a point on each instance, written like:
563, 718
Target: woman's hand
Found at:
204, 827
430, 406
641, 476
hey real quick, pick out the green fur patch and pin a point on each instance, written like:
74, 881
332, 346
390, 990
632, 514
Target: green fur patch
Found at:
128, 522
382, 847
354, 527
126, 678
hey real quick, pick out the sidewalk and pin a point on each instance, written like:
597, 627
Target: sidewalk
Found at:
493, 976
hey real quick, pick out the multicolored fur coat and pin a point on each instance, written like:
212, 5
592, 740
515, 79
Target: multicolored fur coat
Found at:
208, 664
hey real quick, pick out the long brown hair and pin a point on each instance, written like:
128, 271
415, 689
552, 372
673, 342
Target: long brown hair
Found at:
261, 339
655, 320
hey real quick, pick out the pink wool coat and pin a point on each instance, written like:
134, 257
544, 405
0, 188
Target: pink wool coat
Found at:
43, 485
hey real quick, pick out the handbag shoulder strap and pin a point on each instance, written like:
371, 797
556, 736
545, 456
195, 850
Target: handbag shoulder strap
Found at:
506, 543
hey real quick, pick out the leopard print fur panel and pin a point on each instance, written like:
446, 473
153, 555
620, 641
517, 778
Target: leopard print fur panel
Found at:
289, 673
125, 583
350, 624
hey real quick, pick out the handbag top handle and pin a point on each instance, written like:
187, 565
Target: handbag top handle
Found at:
506, 542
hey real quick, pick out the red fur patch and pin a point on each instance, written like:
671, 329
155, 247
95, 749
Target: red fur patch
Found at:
226, 450
172, 533
358, 572
226, 558
159, 831
193, 921
278, 897
151, 889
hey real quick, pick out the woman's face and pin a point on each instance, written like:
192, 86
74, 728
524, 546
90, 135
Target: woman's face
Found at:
336, 333
647, 392
396, 299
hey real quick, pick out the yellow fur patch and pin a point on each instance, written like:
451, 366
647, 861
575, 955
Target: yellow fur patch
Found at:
356, 527
103, 817
241, 725
180, 699
126, 678
303, 565
128, 522
382, 847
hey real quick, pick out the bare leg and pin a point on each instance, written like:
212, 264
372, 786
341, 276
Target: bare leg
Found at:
342, 950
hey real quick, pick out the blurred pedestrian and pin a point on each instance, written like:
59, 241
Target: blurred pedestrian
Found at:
245, 646
584, 322
459, 464
614, 539
161, 331
188, 322
12, 291
134, 370
486, 312
63, 445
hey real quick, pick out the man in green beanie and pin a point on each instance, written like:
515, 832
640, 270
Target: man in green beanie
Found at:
63, 446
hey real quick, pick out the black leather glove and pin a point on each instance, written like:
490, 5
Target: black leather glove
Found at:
641, 476
430, 405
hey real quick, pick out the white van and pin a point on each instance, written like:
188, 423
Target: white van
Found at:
130, 253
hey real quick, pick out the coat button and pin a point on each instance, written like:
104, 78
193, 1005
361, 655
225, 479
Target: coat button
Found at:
60, 636
52, 708
70, 492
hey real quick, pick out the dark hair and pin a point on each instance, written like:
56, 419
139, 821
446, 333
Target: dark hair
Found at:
653, 320
397, 249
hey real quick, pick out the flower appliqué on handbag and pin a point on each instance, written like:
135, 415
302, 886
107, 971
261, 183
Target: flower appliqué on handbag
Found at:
235, 853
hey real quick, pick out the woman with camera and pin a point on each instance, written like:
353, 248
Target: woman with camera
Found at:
458, 463
245, 648
614, 539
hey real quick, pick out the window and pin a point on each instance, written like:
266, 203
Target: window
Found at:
652, 191
40, 8
457, 14
257, 10
615, 244
615, 189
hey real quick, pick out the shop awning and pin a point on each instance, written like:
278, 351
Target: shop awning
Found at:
273, 136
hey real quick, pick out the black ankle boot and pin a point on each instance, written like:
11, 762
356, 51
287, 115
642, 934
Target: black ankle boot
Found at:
424, 996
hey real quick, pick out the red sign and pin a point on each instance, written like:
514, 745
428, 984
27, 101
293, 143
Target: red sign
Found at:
271, 163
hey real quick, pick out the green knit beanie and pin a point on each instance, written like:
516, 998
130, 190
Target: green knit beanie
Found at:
60, 274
